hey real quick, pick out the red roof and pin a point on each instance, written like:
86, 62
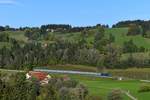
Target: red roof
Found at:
39, 75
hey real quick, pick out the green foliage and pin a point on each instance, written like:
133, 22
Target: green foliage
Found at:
93, 98
134, 30
129, 47
121, 37
16, 87
147, 34
101, 87
89, 46
70, 83
115, 94
133, 73
144, 88
100, 64
64, 93
111, 38
32, 34
99, 40
112, 58
4, 37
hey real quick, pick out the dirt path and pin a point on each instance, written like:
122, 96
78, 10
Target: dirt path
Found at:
129, 95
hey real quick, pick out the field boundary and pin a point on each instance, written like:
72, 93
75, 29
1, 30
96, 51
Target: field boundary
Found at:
129, 95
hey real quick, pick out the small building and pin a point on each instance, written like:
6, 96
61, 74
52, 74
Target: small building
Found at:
42, 77
120, 78
50, 30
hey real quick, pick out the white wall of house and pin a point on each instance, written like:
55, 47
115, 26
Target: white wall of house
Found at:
27, 76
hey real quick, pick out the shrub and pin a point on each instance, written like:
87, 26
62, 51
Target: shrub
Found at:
84, 89
70, 83
91, 97
64, 93
134, 29
144, 88
115, 94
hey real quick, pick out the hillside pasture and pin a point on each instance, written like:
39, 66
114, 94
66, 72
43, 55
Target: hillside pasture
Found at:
102, 86
18, 35
121, 36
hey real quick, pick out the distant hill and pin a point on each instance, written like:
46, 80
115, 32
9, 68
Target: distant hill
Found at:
118, 33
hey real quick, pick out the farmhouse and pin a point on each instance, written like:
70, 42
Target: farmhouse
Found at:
42, 77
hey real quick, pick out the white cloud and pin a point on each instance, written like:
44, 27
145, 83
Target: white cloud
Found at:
8, 2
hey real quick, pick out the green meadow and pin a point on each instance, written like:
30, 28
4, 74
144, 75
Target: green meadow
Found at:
118, 33
102, 87
121, 37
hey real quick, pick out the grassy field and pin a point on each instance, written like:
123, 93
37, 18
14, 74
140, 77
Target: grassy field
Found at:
90, 68
121, 37
6, 44
101, 87
71, 67
18, 35
133, 73
119, 33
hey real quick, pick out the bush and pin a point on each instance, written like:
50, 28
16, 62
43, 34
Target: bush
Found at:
70, 83
134, 29
91, 97
84, 89
115, 94
64, 93
144, 88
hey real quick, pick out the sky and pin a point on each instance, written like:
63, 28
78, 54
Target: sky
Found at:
19, 13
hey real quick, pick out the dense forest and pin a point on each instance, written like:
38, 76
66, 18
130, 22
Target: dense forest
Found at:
47, 45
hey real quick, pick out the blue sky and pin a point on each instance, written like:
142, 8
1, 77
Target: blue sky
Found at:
75, 12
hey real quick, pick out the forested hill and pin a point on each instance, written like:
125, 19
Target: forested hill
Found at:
125, 45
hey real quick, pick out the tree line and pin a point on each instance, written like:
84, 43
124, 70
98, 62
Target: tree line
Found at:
103, 53
52, 28
135, 27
